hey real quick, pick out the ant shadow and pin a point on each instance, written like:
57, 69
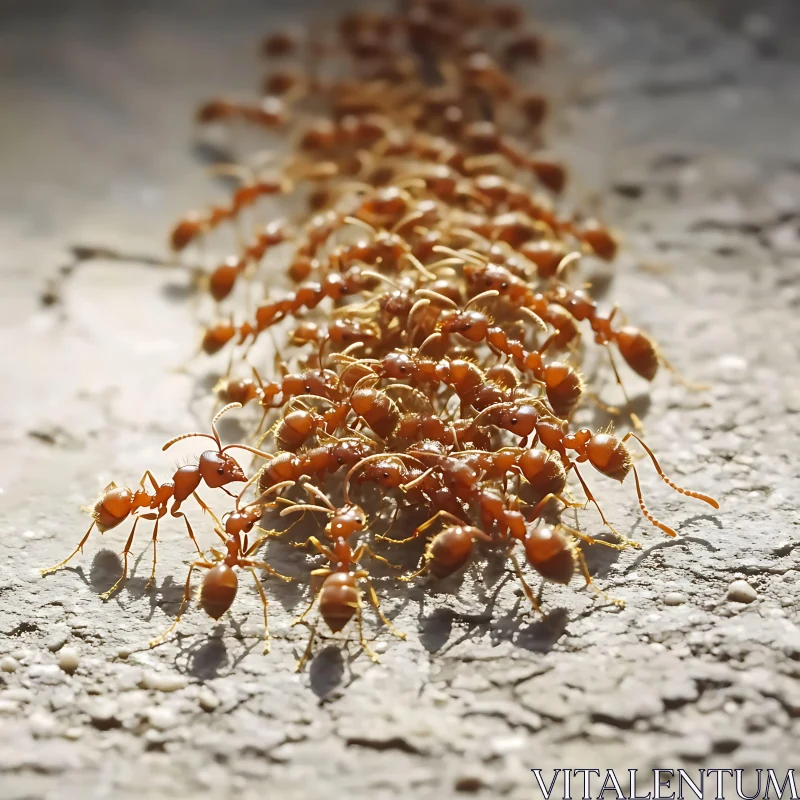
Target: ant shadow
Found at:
326, 671
205, 659
107, 568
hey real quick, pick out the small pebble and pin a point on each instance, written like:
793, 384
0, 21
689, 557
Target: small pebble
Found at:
124, 652
208, 700
56, 641
48, 674
73, 733
43, 725
674, 599
469, 783
163, 681
9, 664
103, 714
162, 718
68, 659
741, 592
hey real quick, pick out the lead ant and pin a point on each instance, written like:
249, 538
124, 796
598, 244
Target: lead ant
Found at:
215, 468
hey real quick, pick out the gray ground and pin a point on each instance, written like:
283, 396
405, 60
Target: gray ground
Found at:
686, 120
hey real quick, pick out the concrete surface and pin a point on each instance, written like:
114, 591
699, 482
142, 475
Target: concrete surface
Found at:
685, 118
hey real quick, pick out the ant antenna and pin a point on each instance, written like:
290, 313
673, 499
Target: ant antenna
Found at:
482, 296
697, 495
565, 262
660, 525
214, 438
430, 295
417, 264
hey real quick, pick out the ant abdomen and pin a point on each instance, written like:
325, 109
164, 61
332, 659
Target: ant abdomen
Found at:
338, 600
545, 473
638, 351
564, 388
217, 336
294, 429
609, 456
113, 508
449, 551
548, 551
218, 590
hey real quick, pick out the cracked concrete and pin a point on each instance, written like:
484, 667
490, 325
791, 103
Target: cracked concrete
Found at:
685, 123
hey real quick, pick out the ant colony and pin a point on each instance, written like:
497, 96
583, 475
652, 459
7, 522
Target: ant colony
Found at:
432, 345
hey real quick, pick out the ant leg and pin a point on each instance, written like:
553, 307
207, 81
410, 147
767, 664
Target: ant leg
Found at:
264, 602
361, 638
372, 554
589, 582
373, 598
307, 652
77, 550
267, 568
425, 525
186, 595
148, 474
697, 495
155, 544
189, 529
637, 423
590, 499
648, 516
591, 540
525, 588
690, 385
127, 549
300, 619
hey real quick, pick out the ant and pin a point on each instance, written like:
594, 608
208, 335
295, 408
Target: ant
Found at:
325, 459
548, 550
607, 454
563, 384
220, 584
215, 468
339, 596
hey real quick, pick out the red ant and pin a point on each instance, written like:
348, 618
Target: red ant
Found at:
607, 454
548, 550
215, 468
220, 584
339, 596
270, 113
317, 461
563, 384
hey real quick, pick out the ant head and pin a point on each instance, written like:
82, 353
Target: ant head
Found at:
519, 420
389, 473
238, 522
608, 455
398, 365
345, 521
219, 469
472, 325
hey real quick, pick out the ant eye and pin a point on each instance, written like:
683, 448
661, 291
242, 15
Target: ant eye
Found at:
467, 326
386, 475
308, 390
220, 471
513, 420
340, 460
504, 285
402, 369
